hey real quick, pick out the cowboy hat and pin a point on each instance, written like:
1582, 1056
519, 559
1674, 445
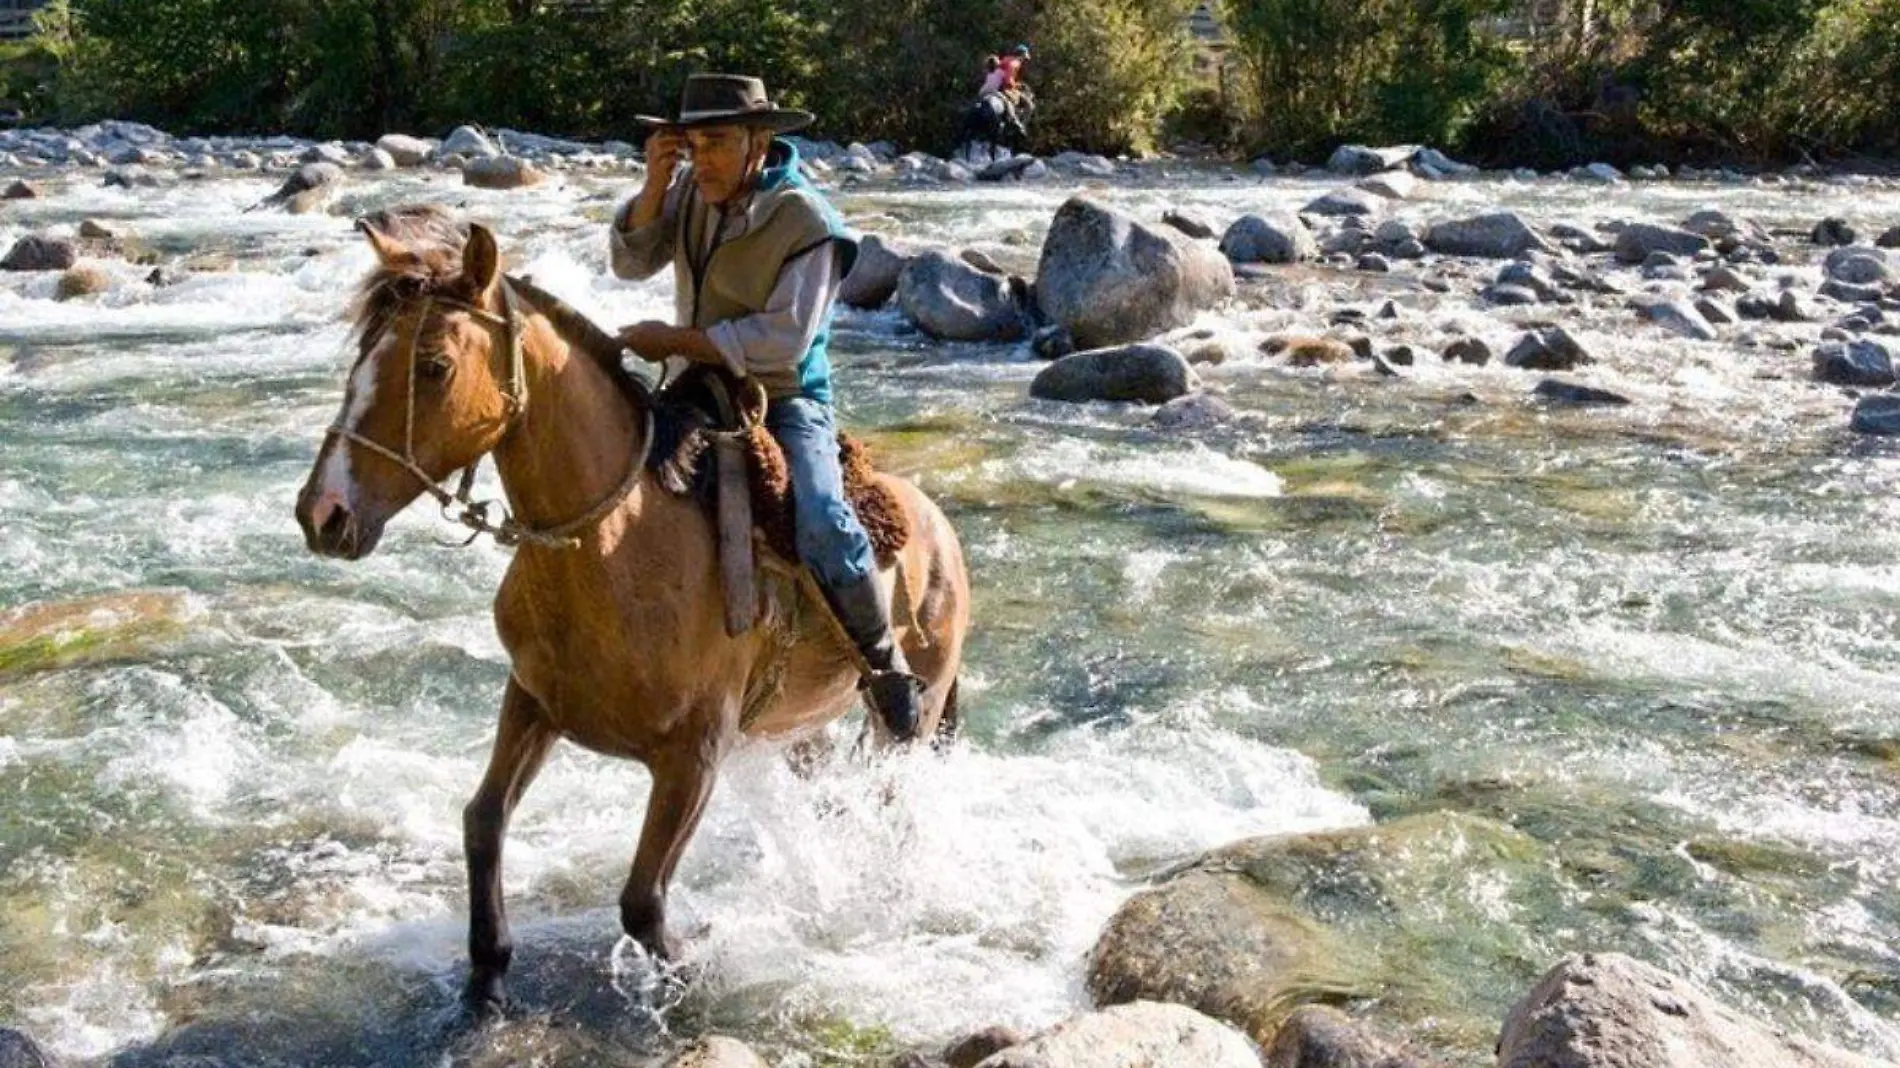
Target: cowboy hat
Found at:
729, 100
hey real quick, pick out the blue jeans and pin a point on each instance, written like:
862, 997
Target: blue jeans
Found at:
831, 541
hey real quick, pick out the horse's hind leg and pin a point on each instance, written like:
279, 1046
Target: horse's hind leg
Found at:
521, 745
681, 785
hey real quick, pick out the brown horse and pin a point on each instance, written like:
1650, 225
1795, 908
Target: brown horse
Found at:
611, 610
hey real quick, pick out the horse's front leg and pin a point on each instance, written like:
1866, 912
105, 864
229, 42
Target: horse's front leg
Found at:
682, 781
521, 745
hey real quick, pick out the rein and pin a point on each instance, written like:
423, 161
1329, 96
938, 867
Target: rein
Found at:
460, 507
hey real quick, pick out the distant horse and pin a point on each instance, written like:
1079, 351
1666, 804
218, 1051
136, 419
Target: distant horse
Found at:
986, 122
611, 611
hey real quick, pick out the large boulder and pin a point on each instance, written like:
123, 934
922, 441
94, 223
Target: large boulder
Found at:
405, 150
1112, 280
1606, 1010
1144, 1034
1638, 241
1859, 265
1877, 413
873, 278
36, 253
501, 172
1854, 363
1279, 237
953, 301
1499, 235
469, 142
1151, 374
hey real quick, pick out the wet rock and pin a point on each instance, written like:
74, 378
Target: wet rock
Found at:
1319, 1037
109, 628
1345, 202
873, 278
1189, 223
1875, 413
1532, 277
1346, 245
1859, 265
1112, 280
1150, 374
1361, 160
36, 253
326, 153
1408, 250
129, 177
1506, 296
1143, 1033
1890, 239
1790, 308
1374, 263
1393, 232
1396, 185
20, 190
1715, 312
1277, 238
953, 301
1500, 235
1550, 349
1602, 173
1847, 293
1725, 279
94, 230
1196, 411
1833, 231
716, 1051
1557, 391
501, 172
981, 260
1301, 351
405, 150
18, 1050
1400, 356
1579, 240
308, 188
971, 1050
375, 159
1720, 226
1469, 350
1678, 316
468, 142
1608, 1011
83, 281
1052, 343
1854, 363
1639, 240
1436, 161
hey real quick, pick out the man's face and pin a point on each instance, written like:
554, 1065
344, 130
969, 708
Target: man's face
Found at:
723, 158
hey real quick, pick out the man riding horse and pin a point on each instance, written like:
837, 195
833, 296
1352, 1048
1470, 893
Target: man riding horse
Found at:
757, 258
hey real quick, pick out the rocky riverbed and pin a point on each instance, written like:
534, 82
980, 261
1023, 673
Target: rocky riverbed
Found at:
1392, 580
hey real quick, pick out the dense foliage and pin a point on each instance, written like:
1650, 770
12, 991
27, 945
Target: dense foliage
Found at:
1545, 82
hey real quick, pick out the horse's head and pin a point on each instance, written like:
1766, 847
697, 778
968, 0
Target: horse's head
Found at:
436, 383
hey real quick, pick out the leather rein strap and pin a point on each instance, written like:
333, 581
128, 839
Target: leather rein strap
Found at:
489, 517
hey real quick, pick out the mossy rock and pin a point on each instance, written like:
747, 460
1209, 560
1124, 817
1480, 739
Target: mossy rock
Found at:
50, 635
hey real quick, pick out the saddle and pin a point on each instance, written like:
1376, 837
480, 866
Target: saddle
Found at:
711, 444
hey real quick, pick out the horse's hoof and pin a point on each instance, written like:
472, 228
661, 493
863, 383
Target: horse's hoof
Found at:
485, 998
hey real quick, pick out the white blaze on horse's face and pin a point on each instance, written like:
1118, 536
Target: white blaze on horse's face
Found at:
336, 480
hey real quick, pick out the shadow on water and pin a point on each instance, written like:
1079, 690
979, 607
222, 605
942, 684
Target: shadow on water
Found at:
574, 1001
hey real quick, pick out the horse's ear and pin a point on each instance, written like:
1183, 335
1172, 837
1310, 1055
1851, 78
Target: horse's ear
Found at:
481, 259
388, 249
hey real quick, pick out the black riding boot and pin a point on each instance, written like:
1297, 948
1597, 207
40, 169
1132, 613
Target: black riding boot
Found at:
892, 690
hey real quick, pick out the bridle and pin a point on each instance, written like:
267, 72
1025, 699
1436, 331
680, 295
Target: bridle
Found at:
460, 507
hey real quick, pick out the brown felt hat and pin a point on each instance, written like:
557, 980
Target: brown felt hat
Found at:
729, 100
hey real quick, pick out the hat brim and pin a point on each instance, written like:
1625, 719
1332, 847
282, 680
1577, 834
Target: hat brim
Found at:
778, 120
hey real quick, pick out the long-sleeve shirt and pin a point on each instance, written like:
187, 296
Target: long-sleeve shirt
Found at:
776, 337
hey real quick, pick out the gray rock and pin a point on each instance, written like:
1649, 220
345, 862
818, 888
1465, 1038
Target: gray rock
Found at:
1052, 343
1550, 349
1373, 263
1532, 277
1678, 316
1395, 185
1501, 235
969, 1051
501, 172
1002, 169
129, 177
1142, 1034
1859, 265
1277, 238
308, 188
1890, 239
1725, 278
873, 278
1359, 159
1347, 244
982, 261
1189, 223
1606, 1010
1393, 232
1469, 350
1443, 164
376, 159
327, 153
1509, 296
1601, 172
1111, 280
1716, 313
405, 150
1790, 308
1556, 391
468, 142
952, 171
19, 190
1579, 240
17, 1050
1196, 411
953, 301
1833, 232
36, 253
1319, 1037
1408, 250
1854, 363
1875, 413
716, 1051
1342, 202
1150, 374
1848, 293
1639, 240
1263, 167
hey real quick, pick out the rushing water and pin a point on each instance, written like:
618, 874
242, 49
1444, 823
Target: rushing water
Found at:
1659, 640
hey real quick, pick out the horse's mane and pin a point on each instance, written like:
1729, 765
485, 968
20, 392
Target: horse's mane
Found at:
432, 266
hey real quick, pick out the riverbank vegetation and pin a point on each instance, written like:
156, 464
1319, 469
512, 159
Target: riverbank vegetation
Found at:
1544, 82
